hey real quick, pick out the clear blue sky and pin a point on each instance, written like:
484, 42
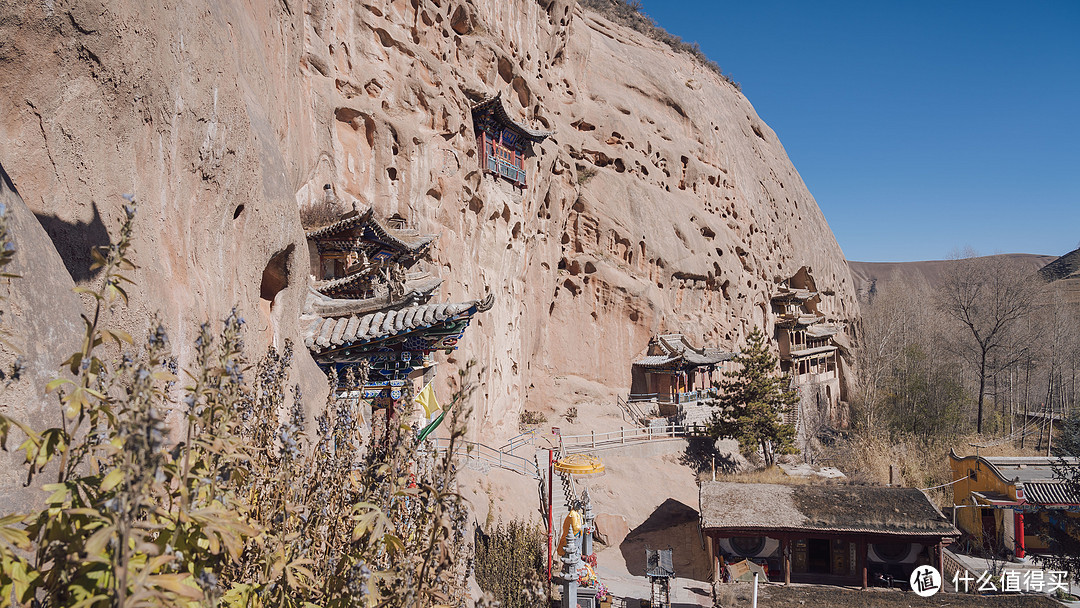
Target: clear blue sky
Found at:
921, 127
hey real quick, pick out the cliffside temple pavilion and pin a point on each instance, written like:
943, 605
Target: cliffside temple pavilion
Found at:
370, 315
810, 346
354, 257
504, 144
835, 534
675, 373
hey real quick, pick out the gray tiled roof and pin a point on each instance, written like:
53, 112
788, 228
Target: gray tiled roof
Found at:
833, 508
655, 361
823, 330
329, 332
659, 563
419, 284
678, 351
405, 238
1054, 493
799, 295
806, 352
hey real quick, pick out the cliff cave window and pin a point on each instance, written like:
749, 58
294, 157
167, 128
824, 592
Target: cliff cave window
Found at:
503, 143
275, 276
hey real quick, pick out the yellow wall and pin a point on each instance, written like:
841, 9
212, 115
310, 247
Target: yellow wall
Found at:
969, 519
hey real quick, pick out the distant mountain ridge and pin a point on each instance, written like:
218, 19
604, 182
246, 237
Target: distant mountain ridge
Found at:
867, 275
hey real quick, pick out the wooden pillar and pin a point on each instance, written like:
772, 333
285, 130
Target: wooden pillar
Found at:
785, 552
714, 561
1018, 533
941, 558
863, 561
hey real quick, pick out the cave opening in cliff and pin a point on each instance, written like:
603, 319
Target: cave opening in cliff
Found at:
275, 276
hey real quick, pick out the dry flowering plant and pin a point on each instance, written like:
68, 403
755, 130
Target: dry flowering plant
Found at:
247, 509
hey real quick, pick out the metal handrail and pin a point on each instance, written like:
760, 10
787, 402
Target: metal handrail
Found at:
517, 441
594, 440
490, 455
628, 409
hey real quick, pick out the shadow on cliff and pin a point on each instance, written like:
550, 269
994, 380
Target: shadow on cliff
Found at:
672, 525
7, 180
702, 455
74, 240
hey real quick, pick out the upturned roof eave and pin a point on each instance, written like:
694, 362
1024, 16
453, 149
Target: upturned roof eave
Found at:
496, 105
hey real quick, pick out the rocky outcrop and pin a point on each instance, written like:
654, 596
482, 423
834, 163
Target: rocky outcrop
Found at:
41, 328
662, 203
1065, 267
1064, 274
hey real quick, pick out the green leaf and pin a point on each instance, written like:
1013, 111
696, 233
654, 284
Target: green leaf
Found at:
180, 584
5, 428
59, 493
13, 535
73, 362
54, 441
57, 383
112, 480
95, 545
119, 336
393, 544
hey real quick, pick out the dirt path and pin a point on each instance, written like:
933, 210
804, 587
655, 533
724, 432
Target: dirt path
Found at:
779, 596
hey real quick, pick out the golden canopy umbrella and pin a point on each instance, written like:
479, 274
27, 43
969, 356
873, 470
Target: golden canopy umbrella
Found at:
580, 465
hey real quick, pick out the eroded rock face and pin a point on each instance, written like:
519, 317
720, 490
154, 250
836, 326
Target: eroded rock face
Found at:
661, 204
189, 109
41, 327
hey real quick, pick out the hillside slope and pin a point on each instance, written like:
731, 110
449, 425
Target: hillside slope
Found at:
926, 274
1064, 273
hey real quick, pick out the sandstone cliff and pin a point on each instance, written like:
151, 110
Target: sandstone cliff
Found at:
662, 202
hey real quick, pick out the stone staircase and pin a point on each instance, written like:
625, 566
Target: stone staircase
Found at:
695, 413
563, 490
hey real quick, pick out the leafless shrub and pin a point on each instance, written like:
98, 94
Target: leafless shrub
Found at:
318, 214
529, 417
571, 414
248, 510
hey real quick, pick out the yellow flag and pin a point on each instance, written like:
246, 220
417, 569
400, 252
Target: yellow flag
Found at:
426, 399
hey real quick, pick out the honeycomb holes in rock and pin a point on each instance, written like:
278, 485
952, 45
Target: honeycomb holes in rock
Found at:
275, 276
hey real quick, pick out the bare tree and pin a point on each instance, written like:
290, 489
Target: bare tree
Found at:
988, 296
889, 323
